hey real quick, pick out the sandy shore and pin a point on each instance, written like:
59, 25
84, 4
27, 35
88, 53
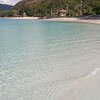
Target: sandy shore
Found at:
19, 17
75, 20
89, 89
79, 20
85, 88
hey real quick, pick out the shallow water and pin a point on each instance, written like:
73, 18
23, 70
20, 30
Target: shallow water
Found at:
38, 59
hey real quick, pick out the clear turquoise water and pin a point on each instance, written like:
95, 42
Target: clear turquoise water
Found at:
39, 58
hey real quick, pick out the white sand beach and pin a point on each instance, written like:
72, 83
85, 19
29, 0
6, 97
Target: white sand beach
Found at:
85, 88
96, 21
19, 17
64, 19
24, 17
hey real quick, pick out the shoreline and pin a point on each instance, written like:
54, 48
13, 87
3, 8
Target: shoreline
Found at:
19, 17
64, 19
83, 88
87, 87
77, 20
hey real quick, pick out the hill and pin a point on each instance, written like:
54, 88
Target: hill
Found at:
52, 7
5, 7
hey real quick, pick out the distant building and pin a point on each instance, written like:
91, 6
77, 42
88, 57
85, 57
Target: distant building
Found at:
63, 13
24, 14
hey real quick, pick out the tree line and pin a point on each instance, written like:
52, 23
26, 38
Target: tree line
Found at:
51, 8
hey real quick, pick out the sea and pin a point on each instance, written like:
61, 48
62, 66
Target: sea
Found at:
39, 59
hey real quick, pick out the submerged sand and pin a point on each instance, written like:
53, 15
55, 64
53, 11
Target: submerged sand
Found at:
85, 88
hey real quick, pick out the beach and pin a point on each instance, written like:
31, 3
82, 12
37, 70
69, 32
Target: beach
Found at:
85, 88
19, 18
79, 20
63, 19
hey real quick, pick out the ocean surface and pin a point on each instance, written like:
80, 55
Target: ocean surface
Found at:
39, 60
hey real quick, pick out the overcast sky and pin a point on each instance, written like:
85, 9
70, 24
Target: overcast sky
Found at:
11, 2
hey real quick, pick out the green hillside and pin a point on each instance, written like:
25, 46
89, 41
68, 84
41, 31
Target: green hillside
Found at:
52, 7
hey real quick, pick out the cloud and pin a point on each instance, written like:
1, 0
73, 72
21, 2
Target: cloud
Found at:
11, 2
3, 1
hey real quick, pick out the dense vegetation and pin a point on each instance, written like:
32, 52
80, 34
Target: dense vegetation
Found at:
52, 7
6, 10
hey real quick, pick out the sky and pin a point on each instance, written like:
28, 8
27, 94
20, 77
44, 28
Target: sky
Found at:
11, 2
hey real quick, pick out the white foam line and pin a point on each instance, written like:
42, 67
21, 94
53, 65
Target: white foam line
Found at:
93, 73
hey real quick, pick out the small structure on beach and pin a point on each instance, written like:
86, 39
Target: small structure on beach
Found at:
24, 14
63, 13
